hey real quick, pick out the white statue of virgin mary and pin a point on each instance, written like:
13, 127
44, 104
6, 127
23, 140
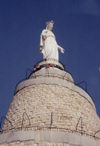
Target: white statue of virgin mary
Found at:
48, 45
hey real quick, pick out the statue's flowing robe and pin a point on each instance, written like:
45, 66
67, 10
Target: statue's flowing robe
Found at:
49, 45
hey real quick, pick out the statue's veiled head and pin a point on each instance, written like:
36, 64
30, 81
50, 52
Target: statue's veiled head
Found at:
49, 25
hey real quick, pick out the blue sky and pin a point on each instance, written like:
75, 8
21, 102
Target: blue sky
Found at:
77, 30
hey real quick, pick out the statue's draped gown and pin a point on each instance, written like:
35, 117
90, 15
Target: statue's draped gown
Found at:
49, 45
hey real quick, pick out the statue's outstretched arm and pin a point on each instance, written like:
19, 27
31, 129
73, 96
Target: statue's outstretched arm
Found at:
61, 49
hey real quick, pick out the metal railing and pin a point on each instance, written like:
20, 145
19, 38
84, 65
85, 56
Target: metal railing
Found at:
78, 128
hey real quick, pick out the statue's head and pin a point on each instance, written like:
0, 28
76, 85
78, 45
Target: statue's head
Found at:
49, 25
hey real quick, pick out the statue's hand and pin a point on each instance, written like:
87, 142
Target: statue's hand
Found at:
62, 50
41, 49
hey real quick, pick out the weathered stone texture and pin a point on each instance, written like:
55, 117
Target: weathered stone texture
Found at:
51, 105
50, 110
31, 143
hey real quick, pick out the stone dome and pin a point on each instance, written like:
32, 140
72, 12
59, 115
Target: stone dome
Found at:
48, 109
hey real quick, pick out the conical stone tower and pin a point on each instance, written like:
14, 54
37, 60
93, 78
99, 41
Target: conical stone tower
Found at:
48, 109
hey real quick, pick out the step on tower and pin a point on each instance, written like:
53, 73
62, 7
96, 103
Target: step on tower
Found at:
48, 109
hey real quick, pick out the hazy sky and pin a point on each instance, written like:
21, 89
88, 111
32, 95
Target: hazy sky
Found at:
77, 30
